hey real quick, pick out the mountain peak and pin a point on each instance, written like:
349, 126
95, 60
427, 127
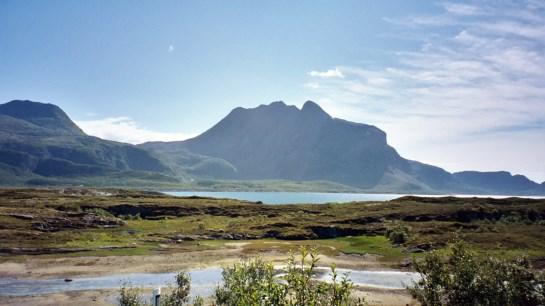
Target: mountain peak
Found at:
314, 109
310, 104
278, 104
28, 109
45, 115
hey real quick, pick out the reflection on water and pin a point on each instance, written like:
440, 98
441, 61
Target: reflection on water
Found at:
382, 279
203, 281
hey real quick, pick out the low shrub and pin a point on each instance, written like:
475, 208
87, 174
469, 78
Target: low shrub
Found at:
461, 278
398, 234
253, 283
130, 296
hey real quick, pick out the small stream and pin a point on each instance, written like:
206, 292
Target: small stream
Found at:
203, 281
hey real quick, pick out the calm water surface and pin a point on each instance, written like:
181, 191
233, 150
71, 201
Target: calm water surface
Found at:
289, 197
203, 281
311, 197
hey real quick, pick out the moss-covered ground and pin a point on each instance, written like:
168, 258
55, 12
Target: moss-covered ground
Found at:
83, 222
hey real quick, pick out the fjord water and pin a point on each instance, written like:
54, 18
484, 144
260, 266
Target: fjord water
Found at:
276, 198
203, 281
288, 197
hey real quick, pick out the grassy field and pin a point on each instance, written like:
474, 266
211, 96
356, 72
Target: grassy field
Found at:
83, 222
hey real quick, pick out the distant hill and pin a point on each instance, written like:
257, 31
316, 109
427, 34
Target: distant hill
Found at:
39, 144
500, 181
278, 141
39, 140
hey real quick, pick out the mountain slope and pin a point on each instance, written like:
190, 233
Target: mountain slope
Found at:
278, 141
40, 140
40, 117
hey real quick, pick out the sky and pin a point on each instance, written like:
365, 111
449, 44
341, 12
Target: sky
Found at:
460, 85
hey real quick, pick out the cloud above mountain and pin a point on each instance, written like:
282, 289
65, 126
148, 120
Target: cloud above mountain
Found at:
475, 84
127, 130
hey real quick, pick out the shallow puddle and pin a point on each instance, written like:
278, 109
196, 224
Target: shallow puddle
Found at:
203, 281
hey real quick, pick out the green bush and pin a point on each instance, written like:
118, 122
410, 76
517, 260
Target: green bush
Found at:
253, 283
130, 296
398, 234
179, 295
463, 278
250, 283
172, 296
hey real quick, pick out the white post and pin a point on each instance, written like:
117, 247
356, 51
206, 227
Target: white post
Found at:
156, 296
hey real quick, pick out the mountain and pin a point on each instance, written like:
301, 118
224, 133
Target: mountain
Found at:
38, 140
278, 141
32, 118
499, 180
40, 144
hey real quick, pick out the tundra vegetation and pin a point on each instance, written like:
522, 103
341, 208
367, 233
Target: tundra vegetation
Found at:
462, 278
113, 222
255, 282
458, 277
83, 222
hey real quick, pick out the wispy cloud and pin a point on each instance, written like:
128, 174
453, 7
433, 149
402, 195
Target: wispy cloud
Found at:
125, 129
462, 9
170, 48
331, 73
461, 93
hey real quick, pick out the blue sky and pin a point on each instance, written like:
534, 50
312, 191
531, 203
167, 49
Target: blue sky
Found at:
457, 84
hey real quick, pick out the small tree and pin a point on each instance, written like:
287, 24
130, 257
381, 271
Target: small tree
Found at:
179, 295
463, 278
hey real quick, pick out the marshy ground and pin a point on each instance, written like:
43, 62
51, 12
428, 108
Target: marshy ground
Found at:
82, 232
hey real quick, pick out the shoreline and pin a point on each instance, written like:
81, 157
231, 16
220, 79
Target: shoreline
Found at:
46, 267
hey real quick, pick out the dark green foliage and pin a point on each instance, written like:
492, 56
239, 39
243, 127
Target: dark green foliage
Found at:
254, 283
464, 279
250, 283
398, 234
